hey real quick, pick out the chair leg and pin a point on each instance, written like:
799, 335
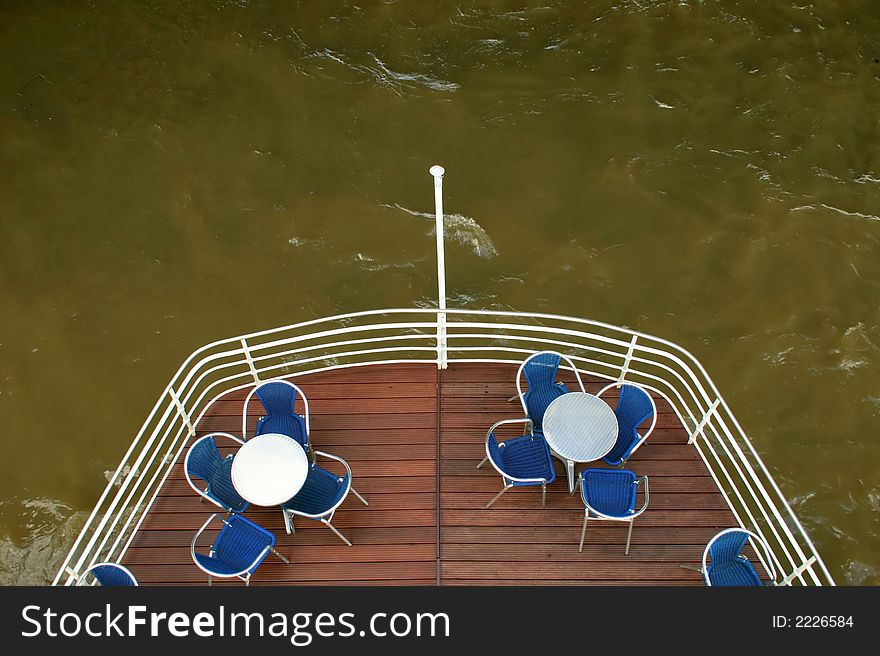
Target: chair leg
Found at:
275, 551
583, 533
628, 537
288, 522
543, 494
210, 582
335, 530
482, 462
495, 498
358, 495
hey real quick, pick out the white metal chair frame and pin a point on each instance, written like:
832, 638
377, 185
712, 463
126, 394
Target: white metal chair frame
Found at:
326, 516
768, 561
596, 514
82, 579
204, 493
286, 382
650, 430
245, 574
507, 477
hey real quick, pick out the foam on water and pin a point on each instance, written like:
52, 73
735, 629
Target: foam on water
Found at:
461, 229
50, 529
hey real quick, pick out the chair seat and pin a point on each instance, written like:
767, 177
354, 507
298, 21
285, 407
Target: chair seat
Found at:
527, 456
611, 492
287, 424
319, 494
219, 567
739, 572
239, 548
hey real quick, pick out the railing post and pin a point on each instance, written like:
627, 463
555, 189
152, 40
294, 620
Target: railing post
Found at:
629, 356
250, 360
798, 572
704, 421
182, 412
72, 575
438, 171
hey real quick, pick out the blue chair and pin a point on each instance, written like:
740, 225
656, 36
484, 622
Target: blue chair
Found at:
203, 461
540, 372
238, 549
320, 496
278, 398
634, 407
109, 575
610, 494
729, 567
523, 460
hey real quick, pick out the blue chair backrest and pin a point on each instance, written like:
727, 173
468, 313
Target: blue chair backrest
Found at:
540, 371
278, 400
729, 566
727, 547
611, 491
204, 461
633, 409
240, 541
112, 575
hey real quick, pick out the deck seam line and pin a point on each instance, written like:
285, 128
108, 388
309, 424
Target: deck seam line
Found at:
439, 392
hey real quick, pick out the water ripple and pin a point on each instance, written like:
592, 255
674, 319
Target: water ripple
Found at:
416, 78
379, 73
831, 208
462, 229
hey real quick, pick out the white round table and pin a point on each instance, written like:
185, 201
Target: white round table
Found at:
579, 427
269, 469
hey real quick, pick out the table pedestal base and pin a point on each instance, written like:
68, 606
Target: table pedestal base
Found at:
569, 470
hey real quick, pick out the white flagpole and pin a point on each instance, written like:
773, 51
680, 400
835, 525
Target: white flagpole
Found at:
438, 171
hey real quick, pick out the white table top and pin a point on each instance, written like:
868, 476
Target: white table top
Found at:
580, 427
269, 469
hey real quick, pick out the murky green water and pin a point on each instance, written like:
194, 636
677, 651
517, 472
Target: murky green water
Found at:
173, 173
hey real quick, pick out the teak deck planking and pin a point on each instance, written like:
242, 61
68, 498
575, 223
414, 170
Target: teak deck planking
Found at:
413, 437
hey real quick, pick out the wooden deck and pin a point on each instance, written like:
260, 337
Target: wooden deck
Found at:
413, 437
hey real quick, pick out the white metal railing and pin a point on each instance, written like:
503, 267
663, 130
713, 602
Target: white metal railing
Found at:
426, 335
